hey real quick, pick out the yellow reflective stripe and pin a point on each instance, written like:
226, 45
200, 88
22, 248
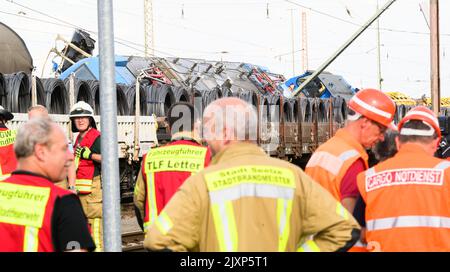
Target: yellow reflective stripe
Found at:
137, 189
164, 223
256, 174
77, 162
23, 204
3, 177
31, 239
7, 137
151, 199
341, 211
96, 234
183, 158
284, 211
309, 246
83, 181
225, 226
83, 185
146, 226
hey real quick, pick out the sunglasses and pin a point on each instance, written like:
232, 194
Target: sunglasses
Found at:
380, 127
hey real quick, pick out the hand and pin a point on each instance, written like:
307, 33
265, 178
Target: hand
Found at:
84, 152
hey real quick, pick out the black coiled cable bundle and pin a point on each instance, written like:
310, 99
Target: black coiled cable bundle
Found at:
3, 93
248, 96
82, 91
226, 92
159, 99
181, 95
122, 103
40, 92
18, 89
339, 109
306, 107
57, 98
131, 98
94, 86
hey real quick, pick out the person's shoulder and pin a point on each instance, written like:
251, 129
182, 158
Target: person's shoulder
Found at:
60, 192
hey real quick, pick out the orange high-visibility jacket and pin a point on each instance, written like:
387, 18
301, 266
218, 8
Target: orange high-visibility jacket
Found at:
329, 164
407, 202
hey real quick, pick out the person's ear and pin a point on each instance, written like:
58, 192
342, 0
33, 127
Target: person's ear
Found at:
40, 151
397, 142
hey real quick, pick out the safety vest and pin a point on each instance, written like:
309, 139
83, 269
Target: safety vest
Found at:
26, 208
165, 169
8, 162
85, 168
227, 186
329, 164
407, 202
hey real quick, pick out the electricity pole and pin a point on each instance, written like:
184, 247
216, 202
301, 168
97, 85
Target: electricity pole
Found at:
304, 42
293, 45
380, 79
149, 35
435, 74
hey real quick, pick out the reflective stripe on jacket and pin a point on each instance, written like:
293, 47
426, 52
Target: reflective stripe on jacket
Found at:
330, 162
407, 201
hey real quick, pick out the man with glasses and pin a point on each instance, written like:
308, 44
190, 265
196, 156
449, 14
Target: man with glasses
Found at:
336, 163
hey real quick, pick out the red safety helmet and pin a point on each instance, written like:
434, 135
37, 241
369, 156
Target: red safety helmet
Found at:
374, 105
423, 114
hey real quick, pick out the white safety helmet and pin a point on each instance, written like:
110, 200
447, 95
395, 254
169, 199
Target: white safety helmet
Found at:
82, 109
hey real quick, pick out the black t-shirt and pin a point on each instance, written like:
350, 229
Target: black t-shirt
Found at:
96, 148
69, 225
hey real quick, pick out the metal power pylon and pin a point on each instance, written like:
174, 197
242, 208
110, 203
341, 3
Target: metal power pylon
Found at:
149, 36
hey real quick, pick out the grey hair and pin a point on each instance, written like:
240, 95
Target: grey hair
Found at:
35, 131
239, 117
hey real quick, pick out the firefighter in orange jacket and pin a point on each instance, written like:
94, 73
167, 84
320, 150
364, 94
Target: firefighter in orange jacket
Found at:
165, 168
336, 163
36, 215
88, 167
8, 162
407, 196
247, 201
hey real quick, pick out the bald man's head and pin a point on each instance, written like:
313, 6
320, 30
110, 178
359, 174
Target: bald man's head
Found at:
37, 111
229, 120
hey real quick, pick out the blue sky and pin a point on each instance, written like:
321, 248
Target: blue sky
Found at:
243, 30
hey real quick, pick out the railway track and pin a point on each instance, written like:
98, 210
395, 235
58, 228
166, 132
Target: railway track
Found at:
133, 241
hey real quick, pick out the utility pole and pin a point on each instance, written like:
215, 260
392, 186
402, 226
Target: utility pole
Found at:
149, 36
435, 73
304, 42
292, 40
380, 79
112, 236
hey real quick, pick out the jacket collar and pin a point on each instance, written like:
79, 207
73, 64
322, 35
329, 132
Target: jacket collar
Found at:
351, 141
186, 135
237, 150
413, 148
